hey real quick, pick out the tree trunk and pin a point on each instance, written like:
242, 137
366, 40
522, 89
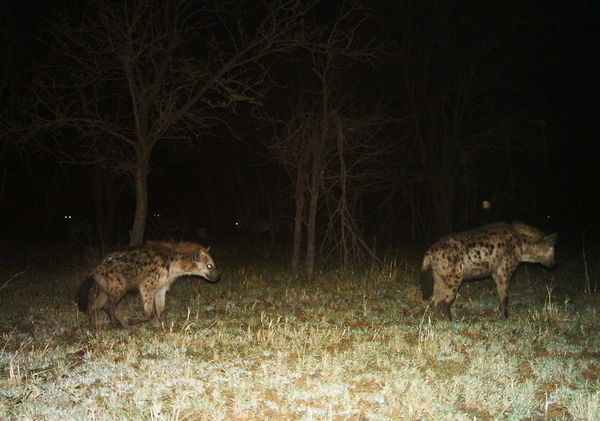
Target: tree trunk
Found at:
311, 235
300, 199
108, 188
311, 223
443, 204
140, 179
98, 183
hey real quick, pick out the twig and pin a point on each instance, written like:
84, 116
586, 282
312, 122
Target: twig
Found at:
11, 278
208, 328
587, 289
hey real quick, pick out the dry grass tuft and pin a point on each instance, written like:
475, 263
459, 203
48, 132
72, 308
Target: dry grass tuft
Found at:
263, 344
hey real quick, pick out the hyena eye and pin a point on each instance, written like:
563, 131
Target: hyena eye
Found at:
210, 266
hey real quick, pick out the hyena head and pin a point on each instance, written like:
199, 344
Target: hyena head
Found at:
540, 250
200, 263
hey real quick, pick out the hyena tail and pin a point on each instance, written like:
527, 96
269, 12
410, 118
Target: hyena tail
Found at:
426, 280
83, 294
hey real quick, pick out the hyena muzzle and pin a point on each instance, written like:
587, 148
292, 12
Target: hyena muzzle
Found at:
493, 250
150, 269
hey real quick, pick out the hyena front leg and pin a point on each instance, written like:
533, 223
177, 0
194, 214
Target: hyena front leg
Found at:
444, 293
148, 302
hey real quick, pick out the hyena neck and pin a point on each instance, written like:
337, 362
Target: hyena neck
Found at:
526, 258
524, 255
528, 255
177, 269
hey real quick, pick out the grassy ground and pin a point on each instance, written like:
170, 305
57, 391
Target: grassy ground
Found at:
262, 344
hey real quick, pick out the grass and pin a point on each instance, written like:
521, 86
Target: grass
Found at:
262, 344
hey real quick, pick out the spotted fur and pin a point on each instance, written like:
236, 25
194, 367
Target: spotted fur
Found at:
493, 250
150, 269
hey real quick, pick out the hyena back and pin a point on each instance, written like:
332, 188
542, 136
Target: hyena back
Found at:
151, 269
493, 250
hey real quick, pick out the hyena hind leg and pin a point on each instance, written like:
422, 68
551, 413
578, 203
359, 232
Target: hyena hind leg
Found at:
115, 321
113, 299
444, 294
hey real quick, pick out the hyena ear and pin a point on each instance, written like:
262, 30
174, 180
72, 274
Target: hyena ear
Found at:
198, 255
550, 240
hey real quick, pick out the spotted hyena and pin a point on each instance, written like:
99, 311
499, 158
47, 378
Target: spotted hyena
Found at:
493, 250
151, 269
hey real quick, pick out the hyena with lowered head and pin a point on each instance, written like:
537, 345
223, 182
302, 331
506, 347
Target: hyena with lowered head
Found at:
493, 250
151, 269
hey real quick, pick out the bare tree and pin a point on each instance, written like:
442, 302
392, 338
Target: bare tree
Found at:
323, 144
362, 140
108, 188
128, 75
290, 148
8, 43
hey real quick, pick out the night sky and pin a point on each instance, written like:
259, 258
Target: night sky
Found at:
553, 92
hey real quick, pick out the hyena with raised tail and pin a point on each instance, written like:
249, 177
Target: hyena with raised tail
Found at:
493, 250
151, 269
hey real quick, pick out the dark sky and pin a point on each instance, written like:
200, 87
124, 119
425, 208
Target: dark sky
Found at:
560, 88
569, 97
